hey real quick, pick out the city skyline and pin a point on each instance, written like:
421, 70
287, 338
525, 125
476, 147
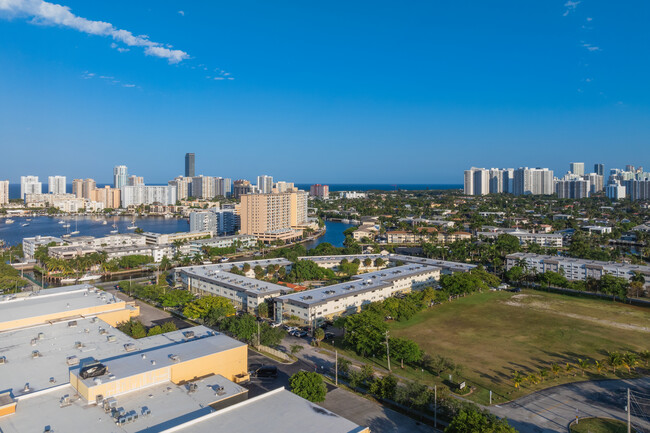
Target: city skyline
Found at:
439, 81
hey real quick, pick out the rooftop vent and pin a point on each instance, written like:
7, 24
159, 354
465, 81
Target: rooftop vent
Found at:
111, 338
72, 324
41, 336
72, 360
78, 345
26, 388
188, 334
36, 354
65, 400
3, 360
175, 358
129, 347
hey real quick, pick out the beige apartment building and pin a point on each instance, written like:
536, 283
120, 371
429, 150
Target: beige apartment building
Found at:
270, 217
107, 195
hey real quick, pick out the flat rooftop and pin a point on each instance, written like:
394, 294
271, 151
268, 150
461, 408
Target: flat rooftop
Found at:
443, 264
277, 411
169, 404
52, 301
609, 265
129, 363
361, 283
220, 274
88, 339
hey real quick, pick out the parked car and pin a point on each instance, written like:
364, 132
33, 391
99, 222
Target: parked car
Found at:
300, 333
265, 371
275, 324
329, 336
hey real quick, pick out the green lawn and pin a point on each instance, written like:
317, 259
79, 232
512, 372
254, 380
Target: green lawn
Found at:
493, 334
599, 425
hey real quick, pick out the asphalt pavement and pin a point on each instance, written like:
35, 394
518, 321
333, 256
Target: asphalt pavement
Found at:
551, 410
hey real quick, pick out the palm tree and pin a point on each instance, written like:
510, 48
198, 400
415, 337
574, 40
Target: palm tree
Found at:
543, 374
630, 361
555, 369
614, 359
517, 378
645, 355
533, 379
599, 366
569, 367
584, 365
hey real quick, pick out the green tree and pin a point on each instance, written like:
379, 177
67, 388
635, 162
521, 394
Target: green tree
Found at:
319, 334
405, 350
216, 306
176, 298
472, 420
308, 385
365, 333
384, 387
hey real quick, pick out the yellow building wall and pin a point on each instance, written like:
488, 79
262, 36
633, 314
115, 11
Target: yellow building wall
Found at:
120, 386
228, 363
62, 315
115, 317
8, 409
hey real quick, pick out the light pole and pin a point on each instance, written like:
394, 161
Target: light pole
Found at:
387, 351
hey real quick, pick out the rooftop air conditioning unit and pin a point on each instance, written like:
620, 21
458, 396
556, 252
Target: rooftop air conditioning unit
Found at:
3, 360
36, 354
93, 369
72, 360
129, 347
72, 324
111, 338
175, 358
188, 334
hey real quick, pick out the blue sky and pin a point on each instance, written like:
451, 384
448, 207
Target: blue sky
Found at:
330, 92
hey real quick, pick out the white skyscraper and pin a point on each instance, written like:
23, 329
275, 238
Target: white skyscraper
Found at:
265, 184
222, 187
4, 192
30, 185
577, 168
56, 185
120, 176
533, 181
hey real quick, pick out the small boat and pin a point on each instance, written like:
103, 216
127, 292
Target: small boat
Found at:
61, 222
66, 225
24, 224
68, 280
67, 235
132, 226
28, 219
115, 230
89, 277
104, 223
9, 221
76, 232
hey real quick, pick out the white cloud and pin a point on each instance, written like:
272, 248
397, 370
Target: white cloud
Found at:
181, 13
47, 13
589, 19
591, 47
219, 78
128, 85
570, 6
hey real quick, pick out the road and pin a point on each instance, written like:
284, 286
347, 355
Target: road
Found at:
344, 403
551, 410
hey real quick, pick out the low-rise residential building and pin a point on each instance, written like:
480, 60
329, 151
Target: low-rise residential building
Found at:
601, 230
549, 240
170, 238
30, 245
246, 293
577, 269
315, 306
240, 241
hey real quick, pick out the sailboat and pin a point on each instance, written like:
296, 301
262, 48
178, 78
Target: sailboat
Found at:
132, 226
104, 223
115, 230
75, 232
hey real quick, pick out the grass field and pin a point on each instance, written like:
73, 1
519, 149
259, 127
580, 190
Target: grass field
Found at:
599, 425
492, 335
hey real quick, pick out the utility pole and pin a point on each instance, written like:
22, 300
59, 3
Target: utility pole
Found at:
336, 367
435, 406
259, 338
629, 413
387, 351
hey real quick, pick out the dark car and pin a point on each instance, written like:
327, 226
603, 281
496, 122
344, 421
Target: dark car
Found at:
329, 336
266, 371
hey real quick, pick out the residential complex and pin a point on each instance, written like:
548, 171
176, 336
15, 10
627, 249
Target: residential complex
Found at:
146, 195
120, 176
271, 217
547, 240
320, 191
221, 222
56, 185
4, 192
30, 185
632, 182
265, 184
577, 269
312, 307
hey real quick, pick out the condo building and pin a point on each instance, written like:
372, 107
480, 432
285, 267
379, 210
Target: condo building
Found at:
320, 191
189, 164
146, 195
30, 185
4, 192
120, 176
265, 184
271, 217
56, 185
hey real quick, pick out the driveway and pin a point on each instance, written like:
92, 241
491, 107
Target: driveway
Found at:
551, 410
149, 315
